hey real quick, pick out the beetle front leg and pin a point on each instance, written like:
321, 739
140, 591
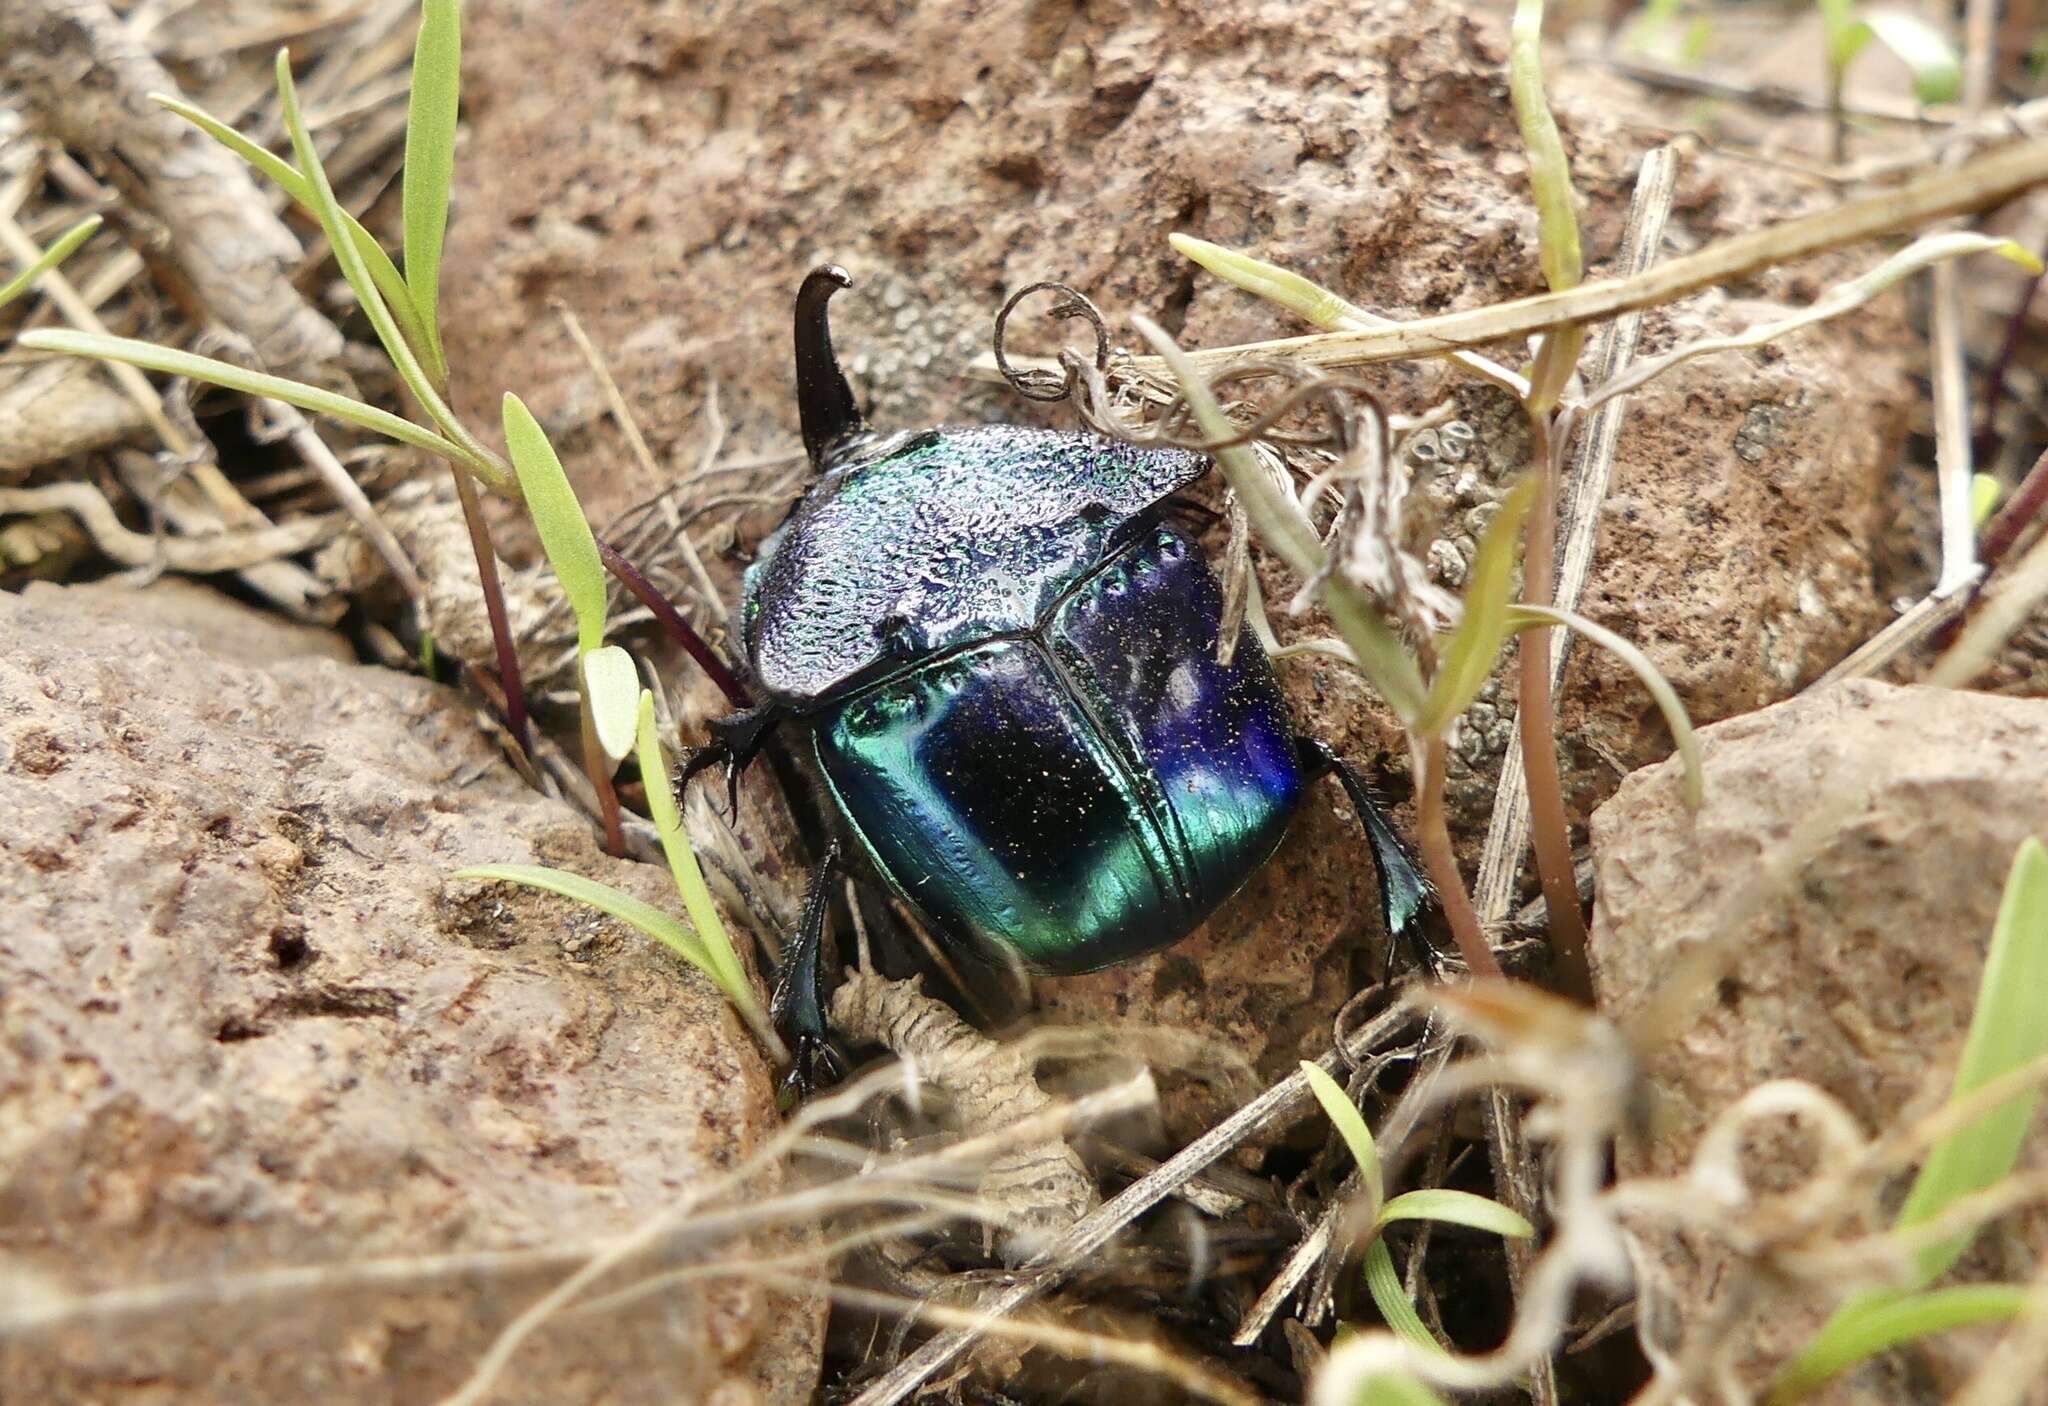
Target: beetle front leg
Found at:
798, 1008
1407, 902
736, 740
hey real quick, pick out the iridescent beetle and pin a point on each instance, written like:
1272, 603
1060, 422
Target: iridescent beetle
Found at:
1001, 658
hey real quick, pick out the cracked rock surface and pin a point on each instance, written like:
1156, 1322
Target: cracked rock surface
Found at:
247, 1022
1856, 842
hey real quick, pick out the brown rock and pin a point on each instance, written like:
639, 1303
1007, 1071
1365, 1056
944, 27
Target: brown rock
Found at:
247, 1022
1860, 959
671, 177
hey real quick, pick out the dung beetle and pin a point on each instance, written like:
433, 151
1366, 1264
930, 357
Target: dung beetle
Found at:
999, 658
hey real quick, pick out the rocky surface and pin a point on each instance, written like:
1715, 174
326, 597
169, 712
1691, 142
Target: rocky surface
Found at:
1861, 958
669, 173
247, 1022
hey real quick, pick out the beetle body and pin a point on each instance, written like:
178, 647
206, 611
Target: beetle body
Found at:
1005, 660
1002, 659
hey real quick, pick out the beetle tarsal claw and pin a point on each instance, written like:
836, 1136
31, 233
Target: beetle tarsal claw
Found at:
735, 741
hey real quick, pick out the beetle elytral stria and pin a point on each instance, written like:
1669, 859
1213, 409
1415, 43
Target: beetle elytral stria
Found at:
1001, 659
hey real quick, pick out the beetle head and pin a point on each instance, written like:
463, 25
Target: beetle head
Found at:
824, 400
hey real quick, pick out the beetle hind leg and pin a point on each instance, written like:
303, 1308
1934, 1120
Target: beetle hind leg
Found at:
1407, 901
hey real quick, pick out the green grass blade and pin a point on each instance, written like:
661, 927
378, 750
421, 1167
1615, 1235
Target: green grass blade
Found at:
1349, 1122
558, 518
1383, 1281
1392, 1389
689, 880
1550, 170
403, 359
1523, 617
171, 362
1311, 302
606, 899
1315, 303
1457, 1208
66, 245
430, 159
1896, 1321
1936, 67
2008, 1029
288, 178
1469, 656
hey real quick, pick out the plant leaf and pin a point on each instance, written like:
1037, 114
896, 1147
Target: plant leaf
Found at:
1984, 494
1311, 302
403, 359
1550, 170
1936, 67
1394, 1389
430, 159
606, 899
1317, 304
612, 685
66, 245
1388, 1295
564, 532
292, 182
1894, 1323
1457, 1208
171, 362
2009, 1028
689, 876
1349, 1122
1469, 656
1523, 617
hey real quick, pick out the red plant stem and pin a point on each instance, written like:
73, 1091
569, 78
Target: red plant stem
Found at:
1987, 438
672, 620
494, 605
2026, 504
1535, 718
1433, 837
598, 767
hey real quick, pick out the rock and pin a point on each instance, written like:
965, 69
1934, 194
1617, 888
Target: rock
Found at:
247, 1022
223, 627
671, 178
1860, 966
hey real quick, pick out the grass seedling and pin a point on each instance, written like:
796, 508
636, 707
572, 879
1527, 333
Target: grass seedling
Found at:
2008, 1030
1440, 1204
1850, 29
402, 307
66, 245
707, 945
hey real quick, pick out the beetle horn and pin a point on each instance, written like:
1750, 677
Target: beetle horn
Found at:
824, 400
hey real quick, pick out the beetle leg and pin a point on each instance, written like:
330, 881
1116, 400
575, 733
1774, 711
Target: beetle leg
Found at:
798, 1008
1407, 902
736, 740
